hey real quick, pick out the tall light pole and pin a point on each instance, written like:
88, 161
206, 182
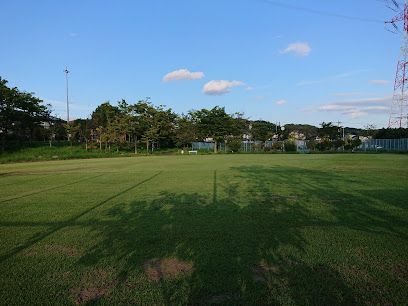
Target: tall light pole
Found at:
66, 71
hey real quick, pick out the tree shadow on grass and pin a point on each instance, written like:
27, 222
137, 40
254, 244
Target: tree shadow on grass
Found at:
245, 241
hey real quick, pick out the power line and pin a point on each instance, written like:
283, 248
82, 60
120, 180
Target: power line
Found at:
321, 13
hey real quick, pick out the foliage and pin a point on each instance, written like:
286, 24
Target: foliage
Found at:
329, 131
324, 145
391, 133
290, 146
352, 144
21, 114
214, 123
262, 130
310, 131
144, 126
234, 143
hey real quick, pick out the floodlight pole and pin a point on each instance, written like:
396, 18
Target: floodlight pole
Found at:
66, 71
341, 127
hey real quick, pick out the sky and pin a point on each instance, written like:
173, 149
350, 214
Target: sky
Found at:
288, 61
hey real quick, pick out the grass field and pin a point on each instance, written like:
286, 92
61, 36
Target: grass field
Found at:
226, 229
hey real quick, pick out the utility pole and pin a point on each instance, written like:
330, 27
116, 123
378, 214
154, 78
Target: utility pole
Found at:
399, 108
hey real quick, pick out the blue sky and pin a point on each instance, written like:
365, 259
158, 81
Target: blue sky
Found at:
251, 56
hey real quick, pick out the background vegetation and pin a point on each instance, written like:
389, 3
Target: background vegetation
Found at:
26, 122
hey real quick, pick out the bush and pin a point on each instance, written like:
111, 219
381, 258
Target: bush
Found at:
290, 146
234, 144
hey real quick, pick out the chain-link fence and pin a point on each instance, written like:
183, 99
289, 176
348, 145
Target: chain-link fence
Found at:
384, 145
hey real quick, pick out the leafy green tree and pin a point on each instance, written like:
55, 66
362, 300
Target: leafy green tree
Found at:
185, 131
214, 123
104, 114
328, 130
262, 130
21, 114
234, 143
391, 133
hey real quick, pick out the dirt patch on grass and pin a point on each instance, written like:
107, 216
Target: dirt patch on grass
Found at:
86, 295
96, 285
263, 272
370, 290
58, 249
360, 252
168, 268
400, 270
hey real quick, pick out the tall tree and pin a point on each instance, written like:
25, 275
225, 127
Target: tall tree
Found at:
20, 114
329, 131
214, 123
262, 130
186, 131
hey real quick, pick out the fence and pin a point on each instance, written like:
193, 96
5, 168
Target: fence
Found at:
384, 145
246, 146
208, 146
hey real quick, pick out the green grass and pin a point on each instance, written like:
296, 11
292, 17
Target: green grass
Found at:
44, 153
211, 229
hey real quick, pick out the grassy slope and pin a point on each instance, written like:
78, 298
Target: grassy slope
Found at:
45, 153
258, 229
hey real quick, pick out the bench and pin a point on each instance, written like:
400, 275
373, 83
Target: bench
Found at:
192, 152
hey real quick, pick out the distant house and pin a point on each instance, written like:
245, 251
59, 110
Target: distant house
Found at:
296, 135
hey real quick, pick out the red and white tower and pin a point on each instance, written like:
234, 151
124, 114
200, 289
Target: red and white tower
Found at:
399, 107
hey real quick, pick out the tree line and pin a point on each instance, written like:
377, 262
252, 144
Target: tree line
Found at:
25, 119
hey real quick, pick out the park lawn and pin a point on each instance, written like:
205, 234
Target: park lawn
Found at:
211, 229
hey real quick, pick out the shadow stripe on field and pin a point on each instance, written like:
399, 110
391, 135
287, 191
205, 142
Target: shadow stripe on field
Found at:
68, 222
48, 189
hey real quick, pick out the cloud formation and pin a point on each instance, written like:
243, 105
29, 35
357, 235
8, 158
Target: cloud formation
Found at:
280, 102
182, 74
358, 107
298, 48
220, 87
379, 82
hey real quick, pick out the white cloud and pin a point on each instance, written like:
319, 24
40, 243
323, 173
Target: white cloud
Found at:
298, 48
220, 87
379, 82
280, 102
358, 107
182, 74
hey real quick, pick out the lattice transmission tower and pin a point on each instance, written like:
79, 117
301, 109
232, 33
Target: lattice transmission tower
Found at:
399, 107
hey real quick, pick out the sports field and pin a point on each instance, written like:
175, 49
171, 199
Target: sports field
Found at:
215, 229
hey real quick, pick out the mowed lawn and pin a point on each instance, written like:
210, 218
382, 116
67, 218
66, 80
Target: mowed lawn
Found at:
214, 229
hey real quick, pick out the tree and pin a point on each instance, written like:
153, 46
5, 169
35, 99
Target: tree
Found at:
234, 143
104, 114
391, 133
262, 130
185, 131
328, 130
21, 114
214, 123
